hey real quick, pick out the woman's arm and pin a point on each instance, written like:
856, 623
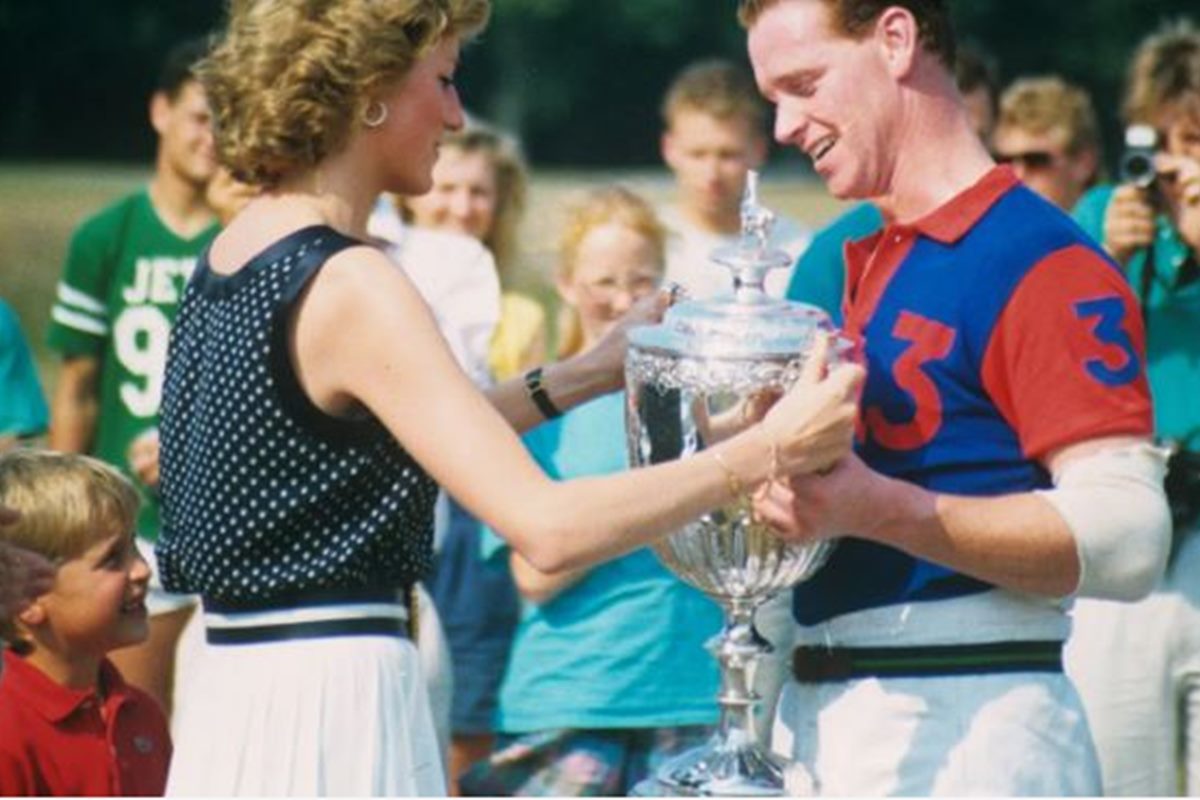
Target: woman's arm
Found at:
541, 587
362, 335
580, 378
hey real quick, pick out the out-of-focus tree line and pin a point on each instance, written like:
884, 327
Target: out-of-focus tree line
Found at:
580, 80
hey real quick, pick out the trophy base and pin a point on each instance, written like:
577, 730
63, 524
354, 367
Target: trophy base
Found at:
717, 770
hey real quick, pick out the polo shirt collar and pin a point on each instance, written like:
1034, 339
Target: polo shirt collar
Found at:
952, 220
52, 700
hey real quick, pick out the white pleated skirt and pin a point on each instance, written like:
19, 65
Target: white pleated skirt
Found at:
345, 716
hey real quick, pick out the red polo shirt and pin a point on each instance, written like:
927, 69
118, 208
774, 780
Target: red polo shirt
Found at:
60, 741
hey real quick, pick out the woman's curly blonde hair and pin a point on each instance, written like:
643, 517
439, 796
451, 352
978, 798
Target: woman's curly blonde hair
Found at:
290, 79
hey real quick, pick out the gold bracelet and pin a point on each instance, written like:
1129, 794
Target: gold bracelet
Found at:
737, 490
776, 471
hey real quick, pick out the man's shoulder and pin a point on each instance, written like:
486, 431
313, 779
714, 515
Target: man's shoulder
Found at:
1027, 225
112, 218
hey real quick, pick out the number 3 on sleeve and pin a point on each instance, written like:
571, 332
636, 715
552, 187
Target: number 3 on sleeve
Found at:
1117, 363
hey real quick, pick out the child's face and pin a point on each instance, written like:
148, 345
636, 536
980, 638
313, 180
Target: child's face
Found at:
464, 195
98, 602
614, 267
710, 157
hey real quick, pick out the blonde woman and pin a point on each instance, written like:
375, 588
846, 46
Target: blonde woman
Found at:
311, 407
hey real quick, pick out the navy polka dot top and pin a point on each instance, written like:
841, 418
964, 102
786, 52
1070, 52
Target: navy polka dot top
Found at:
265, 497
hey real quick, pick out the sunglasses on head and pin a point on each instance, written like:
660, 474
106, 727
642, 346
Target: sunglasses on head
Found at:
1030, 159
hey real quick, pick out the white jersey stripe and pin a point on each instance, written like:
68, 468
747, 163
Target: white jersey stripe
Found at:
78, 321
81, 301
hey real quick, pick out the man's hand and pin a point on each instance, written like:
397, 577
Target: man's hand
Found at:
24, 576
143, 458
840, 502
1128, 223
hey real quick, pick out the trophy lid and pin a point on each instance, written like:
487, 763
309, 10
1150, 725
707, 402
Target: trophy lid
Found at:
748, 323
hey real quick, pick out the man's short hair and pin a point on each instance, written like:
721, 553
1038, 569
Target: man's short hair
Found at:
178, 66
1040, 105
854, 18
719, 88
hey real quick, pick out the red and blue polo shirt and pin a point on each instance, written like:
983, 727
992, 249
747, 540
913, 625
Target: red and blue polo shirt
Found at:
995, 332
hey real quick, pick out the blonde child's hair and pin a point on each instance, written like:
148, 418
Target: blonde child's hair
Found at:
607, 205
68, 503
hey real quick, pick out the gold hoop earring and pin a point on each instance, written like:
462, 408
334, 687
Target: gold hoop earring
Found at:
375, 115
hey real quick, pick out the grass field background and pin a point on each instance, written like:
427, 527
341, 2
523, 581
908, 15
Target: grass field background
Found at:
40, 205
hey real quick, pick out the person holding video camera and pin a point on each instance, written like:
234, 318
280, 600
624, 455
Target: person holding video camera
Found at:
1137, 665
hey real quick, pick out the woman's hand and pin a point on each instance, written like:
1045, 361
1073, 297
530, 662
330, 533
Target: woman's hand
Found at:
812, 426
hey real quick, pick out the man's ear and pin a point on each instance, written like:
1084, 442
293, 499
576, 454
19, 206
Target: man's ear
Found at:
899, 39
160, 111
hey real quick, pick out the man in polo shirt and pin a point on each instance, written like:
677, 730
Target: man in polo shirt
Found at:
1004, 463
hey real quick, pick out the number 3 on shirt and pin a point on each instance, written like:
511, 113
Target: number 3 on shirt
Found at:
1118, 364
931, 341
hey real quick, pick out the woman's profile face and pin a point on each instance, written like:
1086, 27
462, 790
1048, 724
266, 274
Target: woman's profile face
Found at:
464, 195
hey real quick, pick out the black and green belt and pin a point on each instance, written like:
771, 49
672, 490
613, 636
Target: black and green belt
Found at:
820, 664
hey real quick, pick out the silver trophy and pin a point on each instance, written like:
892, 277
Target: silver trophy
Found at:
708, 371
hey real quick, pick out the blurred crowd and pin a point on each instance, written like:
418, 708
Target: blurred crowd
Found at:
582, 679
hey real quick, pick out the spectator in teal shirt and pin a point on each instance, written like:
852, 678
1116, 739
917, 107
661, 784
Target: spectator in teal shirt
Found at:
1137, 666
23, 410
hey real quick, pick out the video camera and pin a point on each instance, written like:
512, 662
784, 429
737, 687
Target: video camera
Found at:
1137, 162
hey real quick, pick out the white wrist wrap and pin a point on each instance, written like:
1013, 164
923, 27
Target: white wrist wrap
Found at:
1113, 502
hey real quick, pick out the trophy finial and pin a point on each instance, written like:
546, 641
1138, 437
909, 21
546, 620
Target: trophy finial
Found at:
757, 219
752, 256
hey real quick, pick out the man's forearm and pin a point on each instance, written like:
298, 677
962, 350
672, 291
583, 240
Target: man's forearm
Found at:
1017, 541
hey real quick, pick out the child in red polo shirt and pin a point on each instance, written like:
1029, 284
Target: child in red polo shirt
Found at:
69, 724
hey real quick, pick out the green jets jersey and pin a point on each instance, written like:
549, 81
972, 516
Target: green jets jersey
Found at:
120, 289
